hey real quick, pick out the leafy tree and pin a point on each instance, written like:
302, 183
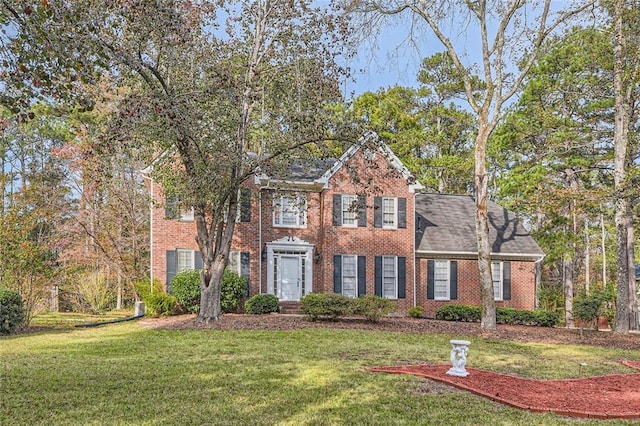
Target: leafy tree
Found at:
424, 127
207, 83
508, 33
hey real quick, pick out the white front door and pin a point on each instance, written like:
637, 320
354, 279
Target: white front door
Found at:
289, 277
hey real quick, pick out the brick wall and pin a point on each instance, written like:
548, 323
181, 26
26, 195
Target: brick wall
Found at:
522, 286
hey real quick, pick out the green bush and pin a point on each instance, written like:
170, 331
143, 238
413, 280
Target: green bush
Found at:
326, 305
161, 304
374, 307
143, 289
459, 313
234, 288
503, 315
185, 287
586, 307
12, 312
262, 304
416, 311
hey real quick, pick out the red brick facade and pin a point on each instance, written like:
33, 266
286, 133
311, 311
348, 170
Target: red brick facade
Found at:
276, 256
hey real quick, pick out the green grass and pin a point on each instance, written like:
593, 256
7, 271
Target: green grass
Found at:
123, 374
60, 320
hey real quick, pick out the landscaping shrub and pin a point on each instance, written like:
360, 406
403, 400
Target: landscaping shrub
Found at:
374, 307
326, 305
143, 288
416, 311
467, 313
234, 288
459, 313
262, 304
12, 311
161, 304
185, 287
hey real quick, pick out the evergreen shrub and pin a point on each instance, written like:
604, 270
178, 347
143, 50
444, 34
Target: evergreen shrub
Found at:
326, 305
374, 307
12, 312
262, 304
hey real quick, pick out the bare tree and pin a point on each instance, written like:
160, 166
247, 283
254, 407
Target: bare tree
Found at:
511, 34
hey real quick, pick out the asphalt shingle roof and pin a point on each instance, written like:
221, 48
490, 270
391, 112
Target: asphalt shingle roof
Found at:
446, 223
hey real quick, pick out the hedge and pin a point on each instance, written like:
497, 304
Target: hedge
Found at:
12, 312
466, 313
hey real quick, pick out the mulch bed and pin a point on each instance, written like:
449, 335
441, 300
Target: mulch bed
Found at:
602, 397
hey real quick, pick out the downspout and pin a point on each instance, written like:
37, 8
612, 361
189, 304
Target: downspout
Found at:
537, 270
260, 240
151, 232
415, 289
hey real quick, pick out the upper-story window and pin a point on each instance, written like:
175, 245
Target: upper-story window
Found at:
389, 212
349, 210
290, 211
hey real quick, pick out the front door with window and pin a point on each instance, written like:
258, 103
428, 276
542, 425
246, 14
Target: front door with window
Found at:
289, 277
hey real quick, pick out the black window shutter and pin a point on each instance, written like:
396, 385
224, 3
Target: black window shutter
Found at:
171, 208
431, 274
402, 212
244, 269
245, 205
453, 280
362, 211
377, 212
506, 281
402, 277
197, 260
337, 273
362, 275
378, 275
172, 265
337, 210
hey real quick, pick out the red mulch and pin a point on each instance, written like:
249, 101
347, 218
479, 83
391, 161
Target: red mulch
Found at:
603, 397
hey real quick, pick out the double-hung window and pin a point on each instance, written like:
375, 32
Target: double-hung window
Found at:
290, 211
496, 274
185, 260
441, 282
389, 277
350, 275
349, 210
389, 212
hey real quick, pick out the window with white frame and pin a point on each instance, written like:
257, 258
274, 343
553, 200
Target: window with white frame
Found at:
389, 277
187, 214
185, 260
349, 210
389, 212
235, 264
441, 280
350, 275
496, 274
290, 211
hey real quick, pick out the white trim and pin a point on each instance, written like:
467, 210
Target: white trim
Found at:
355, 212
193, 260
295, 245
300, 210
395, 212
473, 255
501, 281
448, 280
355, 268
395, 276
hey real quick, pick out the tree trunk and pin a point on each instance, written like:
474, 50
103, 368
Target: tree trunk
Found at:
210, 286
620, 140
633, 296
567, 285
488, 320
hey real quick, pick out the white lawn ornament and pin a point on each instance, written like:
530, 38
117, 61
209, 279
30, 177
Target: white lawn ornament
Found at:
459, 350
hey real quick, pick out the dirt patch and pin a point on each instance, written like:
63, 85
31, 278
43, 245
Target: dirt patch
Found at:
409, 325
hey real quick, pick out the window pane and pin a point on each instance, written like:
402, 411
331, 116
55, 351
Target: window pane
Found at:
349, 276
185, 260
496, 273
290, 211
349, 210
389, 277
234, 261
389, 212
441, 280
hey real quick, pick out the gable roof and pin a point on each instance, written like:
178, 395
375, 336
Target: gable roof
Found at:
445, 227
371, 139
318, 172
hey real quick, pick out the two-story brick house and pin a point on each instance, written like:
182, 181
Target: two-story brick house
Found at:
356, 225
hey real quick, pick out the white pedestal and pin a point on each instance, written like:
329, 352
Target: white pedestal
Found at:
459, 350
